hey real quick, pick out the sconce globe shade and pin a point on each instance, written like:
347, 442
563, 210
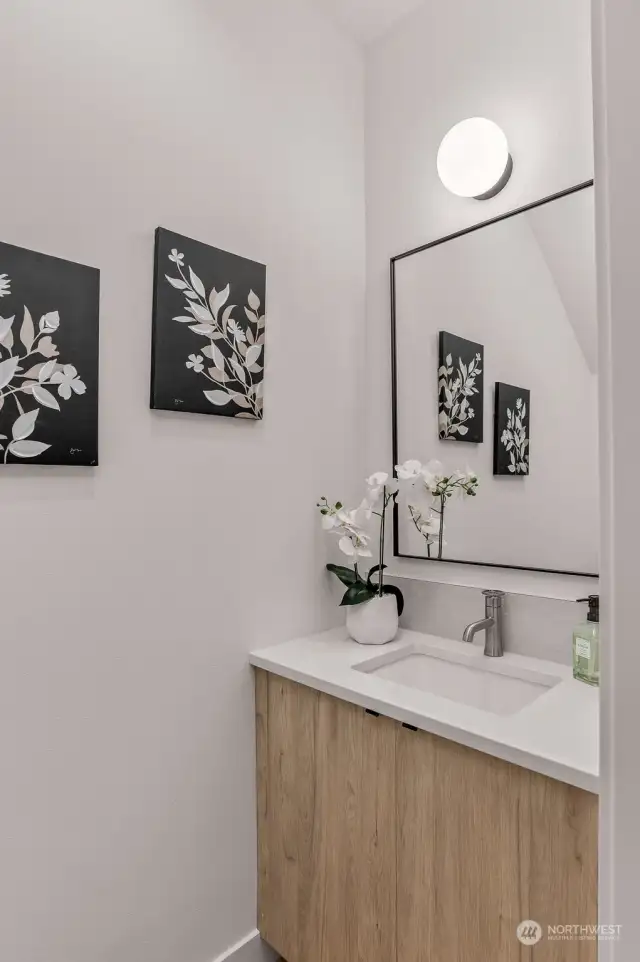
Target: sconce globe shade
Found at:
474, 159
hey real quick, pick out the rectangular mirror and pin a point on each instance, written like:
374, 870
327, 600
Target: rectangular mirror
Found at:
495, 365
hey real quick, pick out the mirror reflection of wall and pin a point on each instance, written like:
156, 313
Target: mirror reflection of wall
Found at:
522, 287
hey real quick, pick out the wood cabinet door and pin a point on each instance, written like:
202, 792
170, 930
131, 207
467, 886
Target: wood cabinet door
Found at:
382, 844
560, 863
482, 846
327, 826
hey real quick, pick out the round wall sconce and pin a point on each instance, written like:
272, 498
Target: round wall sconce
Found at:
474, 159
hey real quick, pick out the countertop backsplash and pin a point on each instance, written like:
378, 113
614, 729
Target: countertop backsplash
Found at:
537, 627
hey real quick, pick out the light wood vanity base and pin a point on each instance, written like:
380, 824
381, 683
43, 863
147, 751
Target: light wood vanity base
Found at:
378, 843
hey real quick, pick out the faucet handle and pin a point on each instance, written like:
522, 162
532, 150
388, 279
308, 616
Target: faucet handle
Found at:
494, 595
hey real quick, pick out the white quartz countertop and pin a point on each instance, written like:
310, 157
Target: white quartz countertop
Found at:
556, 735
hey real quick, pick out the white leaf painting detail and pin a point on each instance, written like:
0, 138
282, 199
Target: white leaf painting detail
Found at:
20, 381
179, 285
8, 340
233, 349
24, 425
7, 370
34, 372
27, 331
217, 357
44, 397
27, 449
46, 371
239, 370
253, 301
218, 397
206, 329
226, 317
5, 326
218, 302
196, 283
253, 354
202, 313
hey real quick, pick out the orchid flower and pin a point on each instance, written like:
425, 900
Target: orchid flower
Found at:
354, 540
439, 487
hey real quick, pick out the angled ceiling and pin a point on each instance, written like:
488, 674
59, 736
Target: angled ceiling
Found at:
365, 20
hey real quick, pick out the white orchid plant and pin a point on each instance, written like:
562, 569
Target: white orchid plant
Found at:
436, 487
354, 540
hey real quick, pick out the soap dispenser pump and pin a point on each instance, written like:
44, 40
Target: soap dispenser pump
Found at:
586, 644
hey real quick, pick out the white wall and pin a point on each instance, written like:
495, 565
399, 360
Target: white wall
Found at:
131, 594
568, 245
616, 78
526, 66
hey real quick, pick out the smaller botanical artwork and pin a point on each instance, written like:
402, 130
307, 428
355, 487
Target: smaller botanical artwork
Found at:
48, 359
512, 430
208, 330
460, 389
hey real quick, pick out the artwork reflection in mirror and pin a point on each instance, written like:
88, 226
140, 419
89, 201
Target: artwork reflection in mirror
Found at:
512, 434
521, 288
460, 389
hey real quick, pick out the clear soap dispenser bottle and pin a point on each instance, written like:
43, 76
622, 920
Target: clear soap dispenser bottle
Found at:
586, 645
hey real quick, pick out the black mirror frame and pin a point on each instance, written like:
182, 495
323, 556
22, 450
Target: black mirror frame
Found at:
394, 381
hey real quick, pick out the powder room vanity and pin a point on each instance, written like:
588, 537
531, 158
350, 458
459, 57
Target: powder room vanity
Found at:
398, 825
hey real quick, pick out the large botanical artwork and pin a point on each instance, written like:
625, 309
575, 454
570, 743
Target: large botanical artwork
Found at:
48, 359
512, 430
208, 330
460, 389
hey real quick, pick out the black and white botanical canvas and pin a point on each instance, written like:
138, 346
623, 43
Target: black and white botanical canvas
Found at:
460, 389
512, 430
208, 330
49, 314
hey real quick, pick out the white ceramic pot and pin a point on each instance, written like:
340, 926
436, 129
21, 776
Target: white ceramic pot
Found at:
374, 622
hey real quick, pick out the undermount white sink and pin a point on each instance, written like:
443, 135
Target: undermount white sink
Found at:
495, 685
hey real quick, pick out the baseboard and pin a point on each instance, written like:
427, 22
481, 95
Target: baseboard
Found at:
249, 949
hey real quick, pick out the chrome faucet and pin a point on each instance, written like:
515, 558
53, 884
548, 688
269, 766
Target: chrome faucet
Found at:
491, 623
